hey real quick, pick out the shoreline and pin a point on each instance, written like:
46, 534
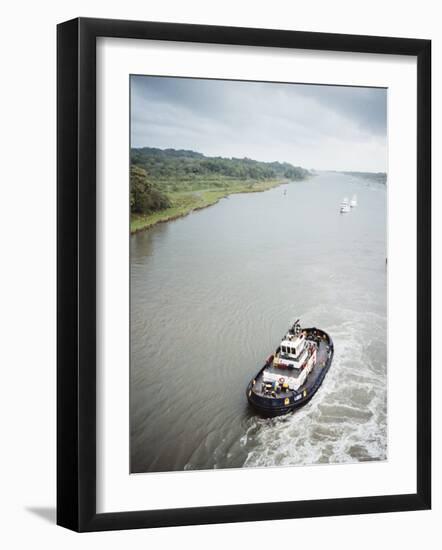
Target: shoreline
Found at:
196, 200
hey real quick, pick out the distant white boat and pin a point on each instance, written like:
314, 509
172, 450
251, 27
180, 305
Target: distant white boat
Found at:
354, 201
345, 206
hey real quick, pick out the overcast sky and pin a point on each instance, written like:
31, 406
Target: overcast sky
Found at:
322, 127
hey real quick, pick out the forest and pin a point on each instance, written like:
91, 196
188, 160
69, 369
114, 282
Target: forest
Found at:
378, 177
167, 183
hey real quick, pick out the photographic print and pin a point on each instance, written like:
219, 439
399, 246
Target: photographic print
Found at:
258, 274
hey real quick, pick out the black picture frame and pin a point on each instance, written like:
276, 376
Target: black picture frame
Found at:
77, 287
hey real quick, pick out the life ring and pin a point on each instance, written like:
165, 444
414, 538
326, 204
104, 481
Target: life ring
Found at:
281, 380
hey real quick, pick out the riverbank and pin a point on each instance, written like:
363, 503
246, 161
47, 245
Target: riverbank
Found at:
184, 203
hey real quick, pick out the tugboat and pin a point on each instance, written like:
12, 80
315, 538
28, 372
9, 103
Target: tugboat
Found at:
294, 373
345, 206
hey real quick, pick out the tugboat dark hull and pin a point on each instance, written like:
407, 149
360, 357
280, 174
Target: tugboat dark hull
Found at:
294, 399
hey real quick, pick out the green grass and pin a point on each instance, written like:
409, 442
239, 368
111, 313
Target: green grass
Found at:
184, 202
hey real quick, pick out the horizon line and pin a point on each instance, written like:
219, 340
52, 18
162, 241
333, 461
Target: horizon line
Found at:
263, 161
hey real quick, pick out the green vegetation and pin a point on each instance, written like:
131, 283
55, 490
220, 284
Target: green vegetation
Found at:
144, 197
167, 184
379, 177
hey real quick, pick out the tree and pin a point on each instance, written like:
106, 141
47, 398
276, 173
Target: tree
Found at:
144, 197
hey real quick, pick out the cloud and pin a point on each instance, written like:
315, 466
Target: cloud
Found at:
323, 127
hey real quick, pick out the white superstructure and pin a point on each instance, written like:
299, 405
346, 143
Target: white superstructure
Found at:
294, 360
354, 201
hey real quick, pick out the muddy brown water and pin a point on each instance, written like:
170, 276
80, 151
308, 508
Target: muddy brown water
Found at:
211, 295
